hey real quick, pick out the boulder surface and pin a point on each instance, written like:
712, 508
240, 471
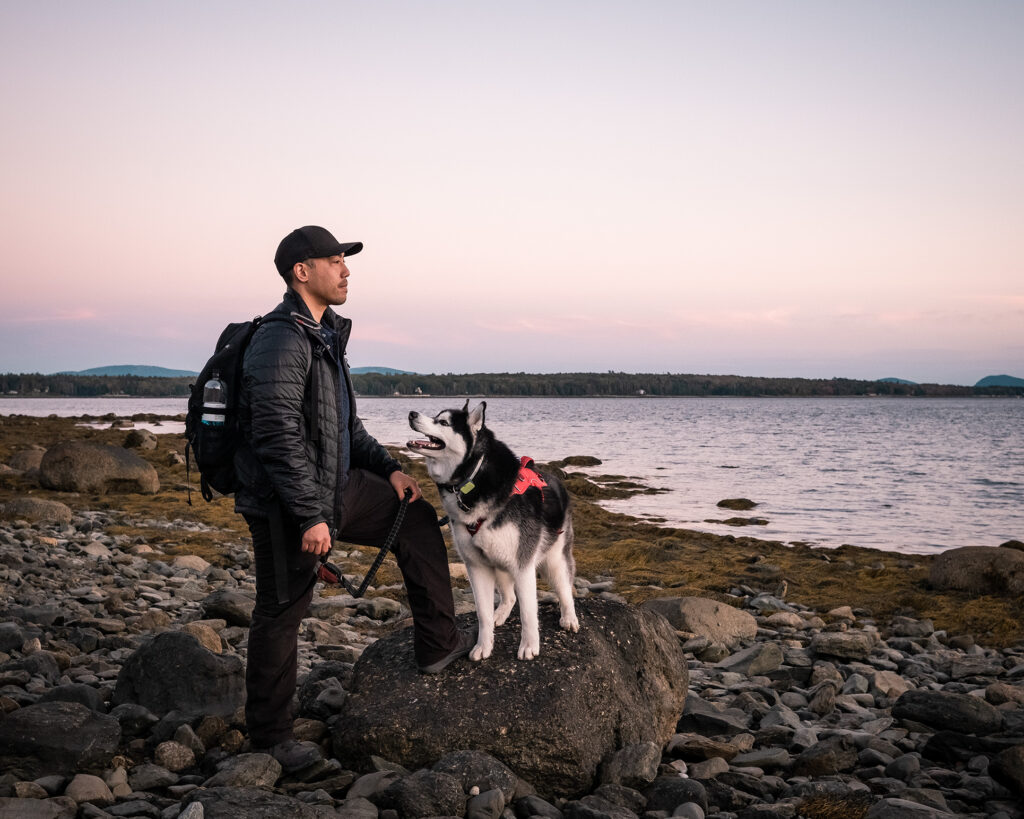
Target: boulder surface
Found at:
621, 680
57, 737
174, 672
81, 466
979, 570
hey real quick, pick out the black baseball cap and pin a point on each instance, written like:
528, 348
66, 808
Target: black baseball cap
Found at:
310, 242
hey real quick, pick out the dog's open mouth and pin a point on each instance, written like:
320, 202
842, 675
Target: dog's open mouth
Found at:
429, 443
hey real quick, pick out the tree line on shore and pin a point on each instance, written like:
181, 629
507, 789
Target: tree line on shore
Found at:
515, 384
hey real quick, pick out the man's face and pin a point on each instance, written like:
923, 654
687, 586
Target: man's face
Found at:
328, 279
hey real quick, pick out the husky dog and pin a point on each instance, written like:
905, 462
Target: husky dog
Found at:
507, 521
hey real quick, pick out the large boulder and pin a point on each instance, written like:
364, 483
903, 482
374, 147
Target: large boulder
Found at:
718, 622
36, 510
81, 466
174, 672
979, 570
25, 460
57, 738
621, 680
949, 710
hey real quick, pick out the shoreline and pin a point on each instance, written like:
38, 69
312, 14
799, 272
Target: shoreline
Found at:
645, 558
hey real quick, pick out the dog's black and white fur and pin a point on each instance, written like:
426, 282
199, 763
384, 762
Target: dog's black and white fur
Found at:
503, 537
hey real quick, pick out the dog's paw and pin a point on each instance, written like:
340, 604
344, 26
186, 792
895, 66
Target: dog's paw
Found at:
570, 623
528, 650
480, 652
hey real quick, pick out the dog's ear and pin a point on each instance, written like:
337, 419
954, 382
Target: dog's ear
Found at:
465, 407
476, 417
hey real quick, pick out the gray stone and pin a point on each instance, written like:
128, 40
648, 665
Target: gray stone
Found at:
718, 622
246, 771
25, 459
1008, 769
89, 788
826, 758
57, 737
11, 636
61, 807
424, 793
634, 766
82, 466
594, 807
254, 803
708, 769
234, 608
850, 645
174, 672
485, 805
757, 660
150, 777
668, 792
36, 510
763, 758
701, 717
533, 805
979, 570
947, 710
480, 770
903, 809
88, 696
628, 676
142, 439
356, 808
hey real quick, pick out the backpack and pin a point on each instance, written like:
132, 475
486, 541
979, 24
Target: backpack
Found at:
212, 441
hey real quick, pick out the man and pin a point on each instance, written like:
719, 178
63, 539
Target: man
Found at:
309, 465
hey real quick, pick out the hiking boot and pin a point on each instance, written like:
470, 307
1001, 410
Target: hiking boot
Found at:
293, 755
466, 641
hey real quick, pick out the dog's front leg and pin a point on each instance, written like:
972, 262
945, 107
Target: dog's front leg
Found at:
507, 593
526, 589
481, 580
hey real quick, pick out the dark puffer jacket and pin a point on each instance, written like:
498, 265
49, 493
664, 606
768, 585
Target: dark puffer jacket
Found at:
280, 460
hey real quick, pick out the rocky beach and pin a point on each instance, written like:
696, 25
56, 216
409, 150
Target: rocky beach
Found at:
713, 676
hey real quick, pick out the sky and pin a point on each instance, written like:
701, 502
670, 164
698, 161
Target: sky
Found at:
796, 189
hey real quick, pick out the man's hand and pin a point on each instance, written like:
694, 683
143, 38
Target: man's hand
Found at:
401, 482
317, 539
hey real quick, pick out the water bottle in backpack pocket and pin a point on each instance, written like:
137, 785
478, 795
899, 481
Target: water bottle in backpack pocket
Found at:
211, 423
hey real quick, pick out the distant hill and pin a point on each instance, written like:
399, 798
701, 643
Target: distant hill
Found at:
142, 370
379, 371
896, 381
1000, 381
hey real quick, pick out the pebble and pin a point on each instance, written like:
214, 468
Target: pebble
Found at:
808, 707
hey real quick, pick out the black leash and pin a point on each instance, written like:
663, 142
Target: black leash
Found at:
329, 573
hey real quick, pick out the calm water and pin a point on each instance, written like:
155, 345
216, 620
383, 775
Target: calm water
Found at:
906, 475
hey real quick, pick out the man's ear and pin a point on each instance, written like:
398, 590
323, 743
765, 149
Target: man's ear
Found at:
476, 417
300, 272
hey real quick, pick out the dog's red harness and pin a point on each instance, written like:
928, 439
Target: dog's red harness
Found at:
528, 477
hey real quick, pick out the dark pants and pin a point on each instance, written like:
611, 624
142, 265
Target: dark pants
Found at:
370, 506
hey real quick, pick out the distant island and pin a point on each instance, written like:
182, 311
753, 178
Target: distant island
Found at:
1000, 381
379, 371
143, 370
371, 381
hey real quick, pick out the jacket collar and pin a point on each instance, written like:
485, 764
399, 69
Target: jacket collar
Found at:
292, 303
